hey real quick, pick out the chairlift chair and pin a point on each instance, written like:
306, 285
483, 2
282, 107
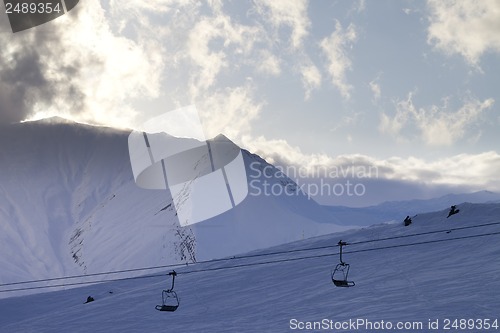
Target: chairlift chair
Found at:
339, 276
169, 298
341, 272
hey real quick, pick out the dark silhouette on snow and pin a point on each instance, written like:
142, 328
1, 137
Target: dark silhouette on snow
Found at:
89, 299
453, 211
407, 221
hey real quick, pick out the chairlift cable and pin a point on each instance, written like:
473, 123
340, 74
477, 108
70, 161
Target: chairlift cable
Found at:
426, 233
84, 283
240, 257
253, 264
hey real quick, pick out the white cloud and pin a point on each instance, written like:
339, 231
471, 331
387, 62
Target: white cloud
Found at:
201, 45
437, 125
476, 170
268, 63
335, 47
393, 125
279, 151
294, 16
469, 28
346, 121
376, 89
151, 6
358, 6
472, 171
235, 39
311, 78
209, 62
287, 13
230, 111
444, 128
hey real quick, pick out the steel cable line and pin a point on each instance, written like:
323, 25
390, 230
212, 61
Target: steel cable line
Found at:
335, 254
91, 275
255, 263
243, 256
426, 233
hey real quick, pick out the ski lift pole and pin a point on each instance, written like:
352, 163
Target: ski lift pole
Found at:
341, 244
173, 274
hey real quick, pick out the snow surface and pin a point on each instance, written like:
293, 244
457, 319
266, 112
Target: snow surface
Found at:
452, 279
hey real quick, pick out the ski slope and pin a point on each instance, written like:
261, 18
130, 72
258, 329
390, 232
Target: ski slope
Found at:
437, 278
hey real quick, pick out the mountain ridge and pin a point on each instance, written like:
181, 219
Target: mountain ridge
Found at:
69, 205
398, 210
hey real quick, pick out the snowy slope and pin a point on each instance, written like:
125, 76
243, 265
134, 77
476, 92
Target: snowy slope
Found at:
457, 279
398, 210
69, 205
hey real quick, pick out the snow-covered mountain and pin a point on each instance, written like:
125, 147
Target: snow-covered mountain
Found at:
432, 276
398, 210
69, 205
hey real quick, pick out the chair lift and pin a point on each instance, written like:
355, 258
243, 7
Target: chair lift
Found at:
341, 271
170, 301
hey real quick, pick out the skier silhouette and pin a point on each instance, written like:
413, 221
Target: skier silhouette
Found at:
407, 221
453, 211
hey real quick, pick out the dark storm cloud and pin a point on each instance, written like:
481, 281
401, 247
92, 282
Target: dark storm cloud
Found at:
19, 79
27, 79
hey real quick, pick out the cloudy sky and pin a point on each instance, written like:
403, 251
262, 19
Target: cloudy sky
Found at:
410, 88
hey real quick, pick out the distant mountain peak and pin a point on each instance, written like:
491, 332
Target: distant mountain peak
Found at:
221, 137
